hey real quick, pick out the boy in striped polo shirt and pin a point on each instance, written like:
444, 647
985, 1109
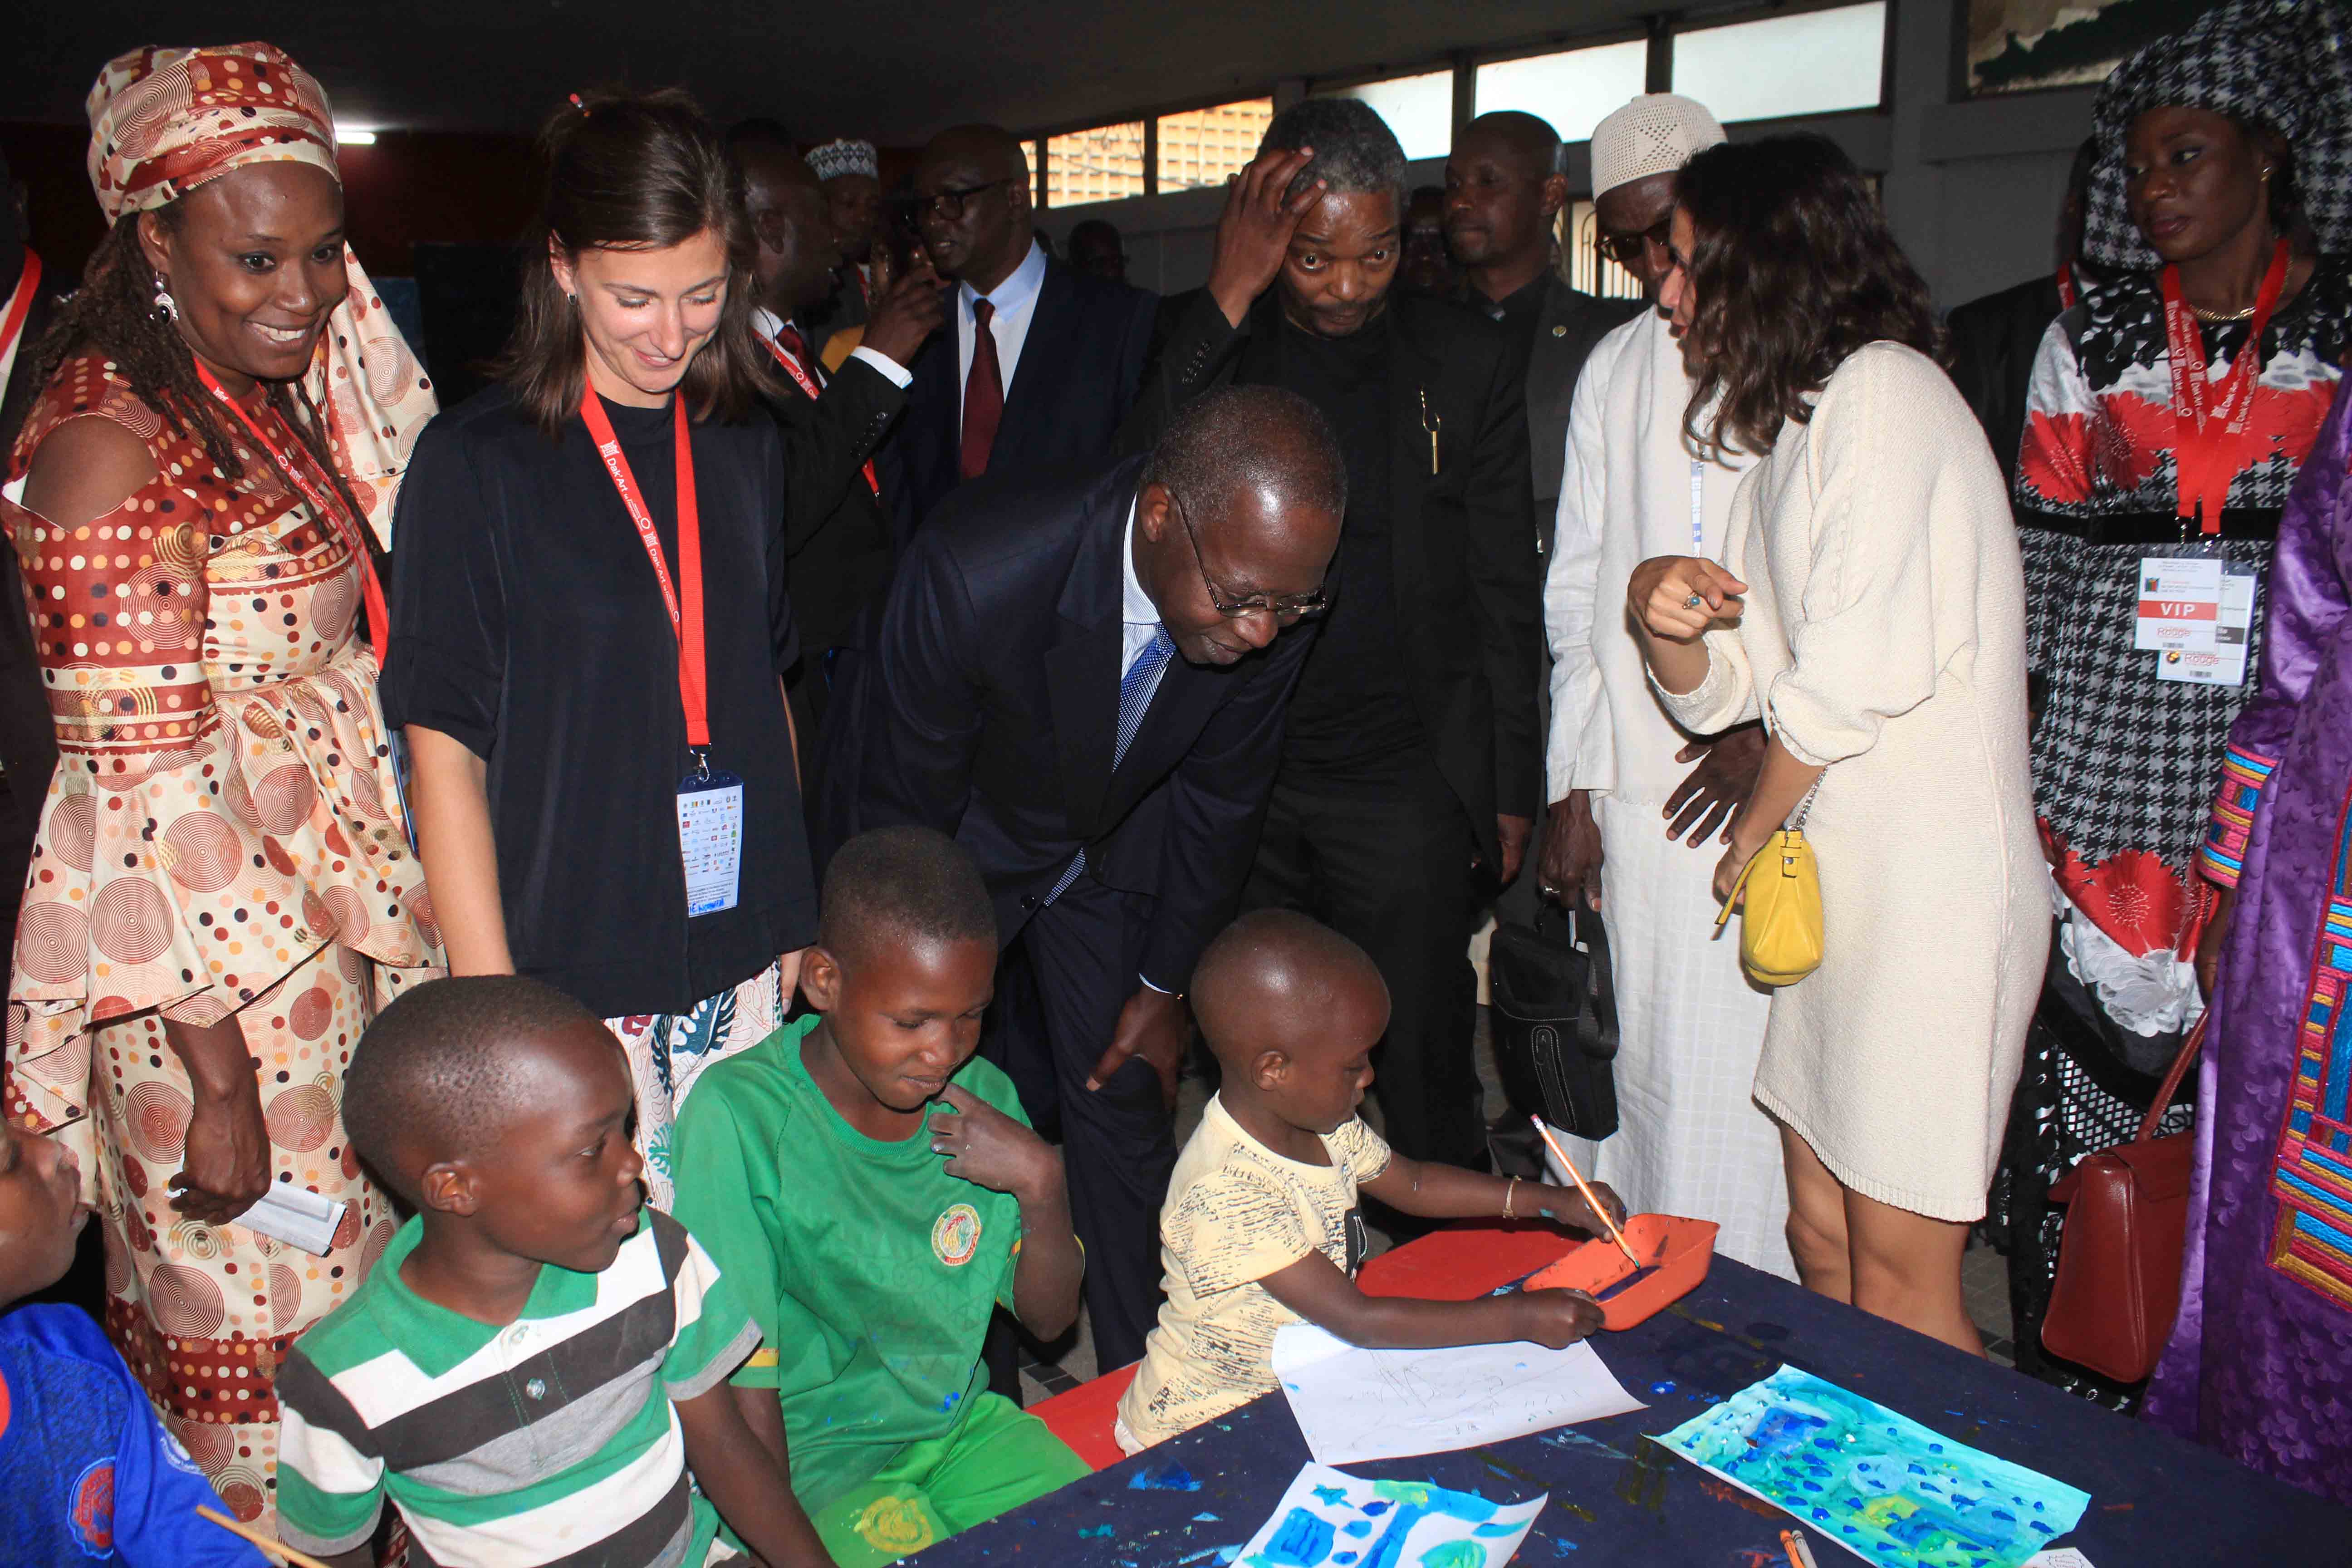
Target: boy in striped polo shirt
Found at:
538, 1359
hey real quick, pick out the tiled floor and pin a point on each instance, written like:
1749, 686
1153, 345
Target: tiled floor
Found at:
1066, 1364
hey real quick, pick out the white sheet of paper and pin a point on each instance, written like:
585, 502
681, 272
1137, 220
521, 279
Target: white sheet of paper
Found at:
1356, 1404
297, 1217
2058, 1557
1329, 1517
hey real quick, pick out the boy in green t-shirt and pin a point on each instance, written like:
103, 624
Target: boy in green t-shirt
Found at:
812, 1166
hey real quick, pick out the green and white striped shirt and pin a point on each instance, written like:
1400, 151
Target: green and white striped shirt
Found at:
549, 1443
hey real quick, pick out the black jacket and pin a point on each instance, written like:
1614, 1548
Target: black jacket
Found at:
1072, 386
1469, 579
836, 533
1567, 326
1994, 342
986, 704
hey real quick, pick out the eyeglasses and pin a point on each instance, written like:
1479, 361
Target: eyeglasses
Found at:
948, 205
1288, 609
1625, 250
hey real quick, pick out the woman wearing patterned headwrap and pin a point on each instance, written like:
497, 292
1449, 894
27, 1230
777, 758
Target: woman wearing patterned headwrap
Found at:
222, 890
2171, 406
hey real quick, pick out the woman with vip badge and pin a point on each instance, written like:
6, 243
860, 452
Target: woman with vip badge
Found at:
591, 626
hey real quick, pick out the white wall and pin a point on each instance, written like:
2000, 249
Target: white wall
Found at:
1972, 188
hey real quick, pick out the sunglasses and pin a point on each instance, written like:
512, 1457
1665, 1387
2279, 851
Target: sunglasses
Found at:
1625, 250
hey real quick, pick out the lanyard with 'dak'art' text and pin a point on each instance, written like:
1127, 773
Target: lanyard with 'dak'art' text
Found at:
2210, 420
710, 803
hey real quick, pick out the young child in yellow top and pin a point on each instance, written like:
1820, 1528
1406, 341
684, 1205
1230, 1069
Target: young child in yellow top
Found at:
1261, 1226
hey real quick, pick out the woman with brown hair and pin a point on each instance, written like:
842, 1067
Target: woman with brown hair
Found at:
1870, 611
222, 891
591, 626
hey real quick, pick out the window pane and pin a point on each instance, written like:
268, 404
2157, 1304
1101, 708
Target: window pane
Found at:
1813, 63
1580, 241
1419, 109
1099, 165
1572, 91
1201, 146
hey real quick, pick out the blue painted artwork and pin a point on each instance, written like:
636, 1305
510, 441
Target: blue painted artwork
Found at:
1331, 1519
1875, 1481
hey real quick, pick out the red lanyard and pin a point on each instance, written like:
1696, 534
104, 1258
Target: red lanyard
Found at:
808, 383
2067, 293
2209, 418
20, 304
323, 505
688, 624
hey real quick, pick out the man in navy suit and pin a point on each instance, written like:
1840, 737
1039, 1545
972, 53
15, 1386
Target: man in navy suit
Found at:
1084, 680
1039, 364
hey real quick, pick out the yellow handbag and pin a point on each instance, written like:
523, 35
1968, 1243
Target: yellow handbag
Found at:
1781, 923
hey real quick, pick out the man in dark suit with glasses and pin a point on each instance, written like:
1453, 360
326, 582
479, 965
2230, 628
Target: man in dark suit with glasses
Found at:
1084, 680
1039, 364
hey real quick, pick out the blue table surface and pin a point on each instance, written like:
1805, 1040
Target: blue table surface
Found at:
1615, 1498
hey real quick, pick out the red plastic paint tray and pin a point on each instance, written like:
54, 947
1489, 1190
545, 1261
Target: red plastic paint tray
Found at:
1675, 1253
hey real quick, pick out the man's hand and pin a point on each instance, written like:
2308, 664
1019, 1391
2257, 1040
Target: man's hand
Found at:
788, 969
912, 311
2212, 939
1569, 865
224, 1168
1153, 1025
988, 1149
1511, 835
1253, 234
1679, 597
1719, 785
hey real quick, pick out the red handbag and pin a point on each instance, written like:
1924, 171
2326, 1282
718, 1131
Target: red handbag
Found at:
2118, 1280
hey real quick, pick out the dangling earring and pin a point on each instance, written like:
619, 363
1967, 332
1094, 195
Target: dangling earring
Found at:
166, 310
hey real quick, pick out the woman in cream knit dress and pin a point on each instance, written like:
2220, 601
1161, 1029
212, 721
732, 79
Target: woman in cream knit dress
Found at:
1870, 611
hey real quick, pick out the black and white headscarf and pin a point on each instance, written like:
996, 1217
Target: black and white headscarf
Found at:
2286, 64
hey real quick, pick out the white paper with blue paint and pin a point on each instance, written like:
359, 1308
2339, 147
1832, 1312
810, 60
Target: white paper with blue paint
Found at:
1330, 1519
1356, 1404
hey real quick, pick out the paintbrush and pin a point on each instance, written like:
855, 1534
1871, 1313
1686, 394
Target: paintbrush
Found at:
1591, 1199
275, 1548
1799, 1554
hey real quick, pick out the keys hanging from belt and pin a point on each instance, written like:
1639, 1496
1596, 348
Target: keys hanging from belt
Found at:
1431, 422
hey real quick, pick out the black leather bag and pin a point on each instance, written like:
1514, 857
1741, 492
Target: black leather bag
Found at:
1555, 1020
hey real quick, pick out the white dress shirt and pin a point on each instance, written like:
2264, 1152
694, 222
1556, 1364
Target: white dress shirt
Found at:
1629, 489
1015, 299
1138, 623
767, 323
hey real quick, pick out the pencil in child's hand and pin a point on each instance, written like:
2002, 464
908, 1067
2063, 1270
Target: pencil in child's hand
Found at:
275, 1548
1591, 1199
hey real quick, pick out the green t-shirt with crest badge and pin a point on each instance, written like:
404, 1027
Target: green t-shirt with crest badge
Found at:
870, 1271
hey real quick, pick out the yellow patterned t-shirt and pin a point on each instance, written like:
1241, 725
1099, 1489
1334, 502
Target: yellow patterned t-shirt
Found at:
1237, 1211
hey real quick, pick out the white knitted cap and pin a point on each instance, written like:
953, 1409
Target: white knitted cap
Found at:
845, 157
1656, 133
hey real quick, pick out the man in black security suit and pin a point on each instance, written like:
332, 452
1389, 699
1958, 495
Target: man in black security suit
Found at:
1044, 387
1084, 681
1411, 769
836, 534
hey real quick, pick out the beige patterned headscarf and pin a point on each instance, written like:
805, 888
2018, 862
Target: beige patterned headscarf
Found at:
164, 121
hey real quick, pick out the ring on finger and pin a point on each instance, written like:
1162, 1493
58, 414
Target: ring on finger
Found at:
1693, 602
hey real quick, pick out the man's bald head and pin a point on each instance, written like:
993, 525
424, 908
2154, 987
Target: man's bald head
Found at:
1239, 505
785, 201
1275, 980
1528, 140
972, 193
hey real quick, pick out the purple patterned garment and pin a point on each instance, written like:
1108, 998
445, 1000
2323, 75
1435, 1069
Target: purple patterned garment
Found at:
2260, 1362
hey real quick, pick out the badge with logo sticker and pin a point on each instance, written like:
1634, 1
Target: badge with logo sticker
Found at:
955, 1236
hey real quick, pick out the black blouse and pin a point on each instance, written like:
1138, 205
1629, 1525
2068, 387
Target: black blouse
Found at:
528, 623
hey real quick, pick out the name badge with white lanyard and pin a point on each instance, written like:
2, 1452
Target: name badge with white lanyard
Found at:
709, 801
2196, 610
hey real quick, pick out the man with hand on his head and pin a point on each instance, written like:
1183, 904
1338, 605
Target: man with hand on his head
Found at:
1412, 768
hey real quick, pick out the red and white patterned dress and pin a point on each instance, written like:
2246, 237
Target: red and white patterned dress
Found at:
222, 836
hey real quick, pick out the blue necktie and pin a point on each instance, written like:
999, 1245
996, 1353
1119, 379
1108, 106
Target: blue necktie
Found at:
1134, 692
